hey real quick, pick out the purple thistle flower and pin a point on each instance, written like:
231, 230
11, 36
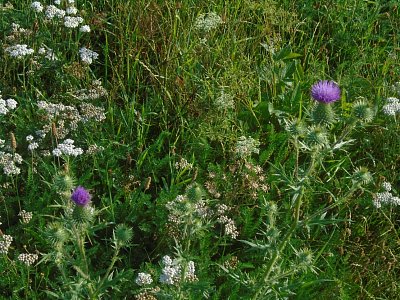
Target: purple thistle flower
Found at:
325, 91
81, 196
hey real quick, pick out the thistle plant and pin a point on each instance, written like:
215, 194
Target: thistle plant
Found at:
324, 93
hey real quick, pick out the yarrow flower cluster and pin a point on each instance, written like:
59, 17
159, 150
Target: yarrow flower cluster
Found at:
81, 196
53, 11
5, 243
67, 148
246, 146
48, 53
71, 10
230, 227
386, 197
87, 56
224, 101
325, 91
72, 22
392, 107
208, 21
19, 51
84, 28
172, 271
8, 162
28, 258
7, 105
37, 6
26, 216
183, 164
32, 144
143, 279
95, 91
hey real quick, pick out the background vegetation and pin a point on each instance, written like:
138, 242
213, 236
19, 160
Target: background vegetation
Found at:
198, 142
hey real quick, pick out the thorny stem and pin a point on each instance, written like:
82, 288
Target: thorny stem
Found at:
297, 197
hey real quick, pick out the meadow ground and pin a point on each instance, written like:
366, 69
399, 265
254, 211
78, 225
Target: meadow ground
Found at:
199, 149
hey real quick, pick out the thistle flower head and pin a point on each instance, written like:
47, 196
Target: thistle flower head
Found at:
325, 91
81, 196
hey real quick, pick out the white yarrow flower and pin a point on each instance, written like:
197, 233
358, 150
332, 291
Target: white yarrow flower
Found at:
143, 279
84, 28
19, 51
87, 56
208, 21
71, 10
72, 22
11, 103
37, 6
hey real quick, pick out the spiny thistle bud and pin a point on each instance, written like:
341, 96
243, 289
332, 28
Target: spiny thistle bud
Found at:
295, 127
63, 182
322, 113
304, 258
316, 137
56, 233
122, 235
361, 176
195, 192
83, 214
362, 111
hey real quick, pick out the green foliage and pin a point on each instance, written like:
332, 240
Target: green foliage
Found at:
212, 172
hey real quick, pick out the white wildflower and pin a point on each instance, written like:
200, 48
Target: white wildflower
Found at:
143, 279
96, 91
8, 162
72, 22
166, 260
170, 274
67, 148
208, 21
84, 28
224, 101
19, 51
11, 103
387, 186
29, 138
37, 6
28, 259
26, 216
392, 107
246, 146
87, 56
71, 10
5, 243
190, 273
33, 146
52, 11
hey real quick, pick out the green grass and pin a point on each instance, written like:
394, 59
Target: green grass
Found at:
291, 218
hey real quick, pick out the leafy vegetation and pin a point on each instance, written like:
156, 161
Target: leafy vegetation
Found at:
174, 150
